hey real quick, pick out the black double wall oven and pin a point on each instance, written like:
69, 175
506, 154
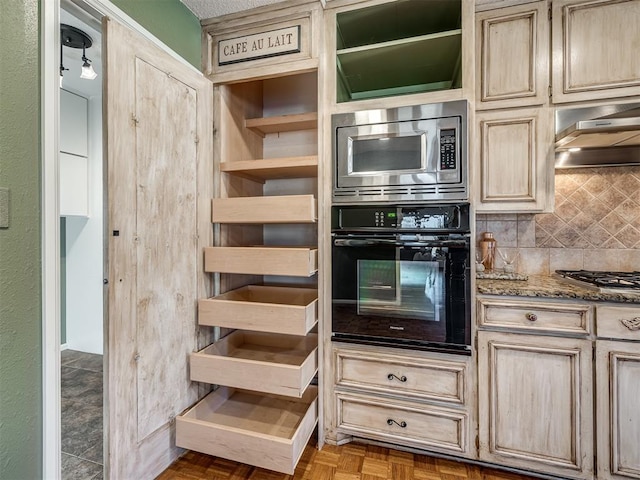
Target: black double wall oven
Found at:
400, 276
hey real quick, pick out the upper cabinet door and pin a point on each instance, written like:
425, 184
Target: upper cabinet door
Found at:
595, 49
513, 152
512, 52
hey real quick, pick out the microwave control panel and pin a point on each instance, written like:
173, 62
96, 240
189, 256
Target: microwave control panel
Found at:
448, 149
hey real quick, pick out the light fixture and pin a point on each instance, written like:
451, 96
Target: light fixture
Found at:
75, 38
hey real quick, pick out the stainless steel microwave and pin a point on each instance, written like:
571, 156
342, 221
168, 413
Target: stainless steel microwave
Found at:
416, 153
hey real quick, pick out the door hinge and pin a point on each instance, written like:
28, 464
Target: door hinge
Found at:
550, 91
549, 12
477, 442
475, 342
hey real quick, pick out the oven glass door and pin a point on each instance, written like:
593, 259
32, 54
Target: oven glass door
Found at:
387, 292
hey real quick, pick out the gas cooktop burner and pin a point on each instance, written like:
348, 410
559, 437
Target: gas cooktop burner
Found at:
607, 280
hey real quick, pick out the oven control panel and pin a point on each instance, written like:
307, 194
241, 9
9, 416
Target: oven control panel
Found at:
424, 217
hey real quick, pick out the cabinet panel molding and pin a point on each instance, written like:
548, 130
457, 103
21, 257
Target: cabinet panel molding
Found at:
403, 423
618, 417
512, 48
514, 154
536, 409
594, 49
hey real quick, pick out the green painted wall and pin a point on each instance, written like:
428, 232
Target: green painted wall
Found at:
20, 259
20, 244
171, 22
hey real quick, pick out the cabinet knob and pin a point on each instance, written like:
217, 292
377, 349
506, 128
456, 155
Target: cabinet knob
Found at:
391, 376
391, 421
632, 324
532, 317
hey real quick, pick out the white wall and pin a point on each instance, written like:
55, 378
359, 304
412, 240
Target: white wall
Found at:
84, 239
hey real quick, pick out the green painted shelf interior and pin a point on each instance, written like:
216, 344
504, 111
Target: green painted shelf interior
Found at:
402, 47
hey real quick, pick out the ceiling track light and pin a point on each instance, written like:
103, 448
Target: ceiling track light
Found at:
75, 38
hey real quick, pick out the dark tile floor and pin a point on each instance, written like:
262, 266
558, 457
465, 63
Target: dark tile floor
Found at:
81, 387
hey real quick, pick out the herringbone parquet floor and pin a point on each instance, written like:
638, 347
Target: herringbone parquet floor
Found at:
347, 462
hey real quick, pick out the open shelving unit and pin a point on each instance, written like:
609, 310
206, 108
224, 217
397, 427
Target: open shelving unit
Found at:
266, 261
374, 43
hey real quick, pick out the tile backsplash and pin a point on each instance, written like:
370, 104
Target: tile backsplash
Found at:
595, 224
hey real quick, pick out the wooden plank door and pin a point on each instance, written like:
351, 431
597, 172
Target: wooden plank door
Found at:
158, 143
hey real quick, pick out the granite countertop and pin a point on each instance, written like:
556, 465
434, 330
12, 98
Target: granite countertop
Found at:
550, 287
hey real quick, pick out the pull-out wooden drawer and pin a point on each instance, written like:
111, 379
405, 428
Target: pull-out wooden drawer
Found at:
402, 375
618, 322
536, 317
263, 362
294, 261
403, 423
270, 209
267, 431
287, 310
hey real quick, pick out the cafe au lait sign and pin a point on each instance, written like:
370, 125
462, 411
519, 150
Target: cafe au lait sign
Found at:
259, 45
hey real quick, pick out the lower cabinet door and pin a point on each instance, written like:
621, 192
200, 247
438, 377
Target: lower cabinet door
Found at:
535, 403
618, 409
403, 423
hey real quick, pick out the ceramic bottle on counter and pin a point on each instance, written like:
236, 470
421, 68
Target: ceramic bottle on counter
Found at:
488, 246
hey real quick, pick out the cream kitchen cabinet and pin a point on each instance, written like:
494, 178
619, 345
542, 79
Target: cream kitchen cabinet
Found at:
595, 45
617, 391
514, 156
535, 387
264, 258
416, 399
535, 403
512, 56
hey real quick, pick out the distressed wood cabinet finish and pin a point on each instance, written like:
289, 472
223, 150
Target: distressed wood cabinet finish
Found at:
595, 49
535, 403
515, 156
617, 413
538, 317
265, 254
416, 399
618, 391
159, 188
512, 56
402, 423
304, 15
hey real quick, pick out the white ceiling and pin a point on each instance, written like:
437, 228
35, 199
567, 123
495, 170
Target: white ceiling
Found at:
215, 8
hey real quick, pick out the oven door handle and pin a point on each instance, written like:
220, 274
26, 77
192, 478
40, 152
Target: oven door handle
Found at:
352, 242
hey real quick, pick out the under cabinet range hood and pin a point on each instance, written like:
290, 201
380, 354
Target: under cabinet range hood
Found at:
598, 136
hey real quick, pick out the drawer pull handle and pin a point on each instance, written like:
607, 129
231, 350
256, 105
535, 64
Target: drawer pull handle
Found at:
632, 324
391, 376
532, 317
391, 421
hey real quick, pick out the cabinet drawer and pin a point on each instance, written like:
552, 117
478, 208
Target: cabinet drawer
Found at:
294, 261
618, 322
538, 317
279, 209
271, 363
405, 376
267, 431
403, 423
287, 310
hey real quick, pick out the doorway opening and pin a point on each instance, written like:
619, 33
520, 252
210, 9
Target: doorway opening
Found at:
81, 205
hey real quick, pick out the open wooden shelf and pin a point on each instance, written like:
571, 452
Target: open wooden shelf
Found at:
283, 123
267, 431
273, 168
265, 209
263, 362
262, 260
381, 69
287, 310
